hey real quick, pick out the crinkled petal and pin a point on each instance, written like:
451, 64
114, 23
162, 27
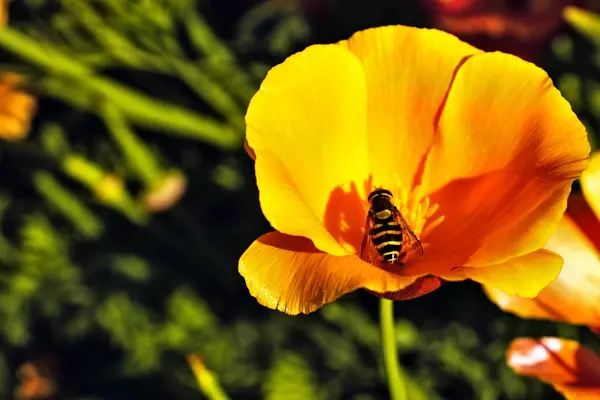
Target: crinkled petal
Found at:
408, 72
307, 127
572, 369
290, 274
508, 148
574, 296
525, 276
420, 287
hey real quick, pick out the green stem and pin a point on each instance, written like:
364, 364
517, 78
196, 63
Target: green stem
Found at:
390, 353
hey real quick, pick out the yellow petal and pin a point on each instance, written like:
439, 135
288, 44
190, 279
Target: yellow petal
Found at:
289, 274
307, 128
574, 296
524, 276
512, 144
408, 72
590, 183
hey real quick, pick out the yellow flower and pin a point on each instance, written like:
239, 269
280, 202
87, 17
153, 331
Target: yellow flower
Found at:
575, 295
479, 150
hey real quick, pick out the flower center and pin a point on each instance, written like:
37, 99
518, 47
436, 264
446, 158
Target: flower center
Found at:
417, 210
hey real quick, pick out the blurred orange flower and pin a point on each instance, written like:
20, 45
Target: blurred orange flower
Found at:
16, 106
479, 149
575, 295
572, 369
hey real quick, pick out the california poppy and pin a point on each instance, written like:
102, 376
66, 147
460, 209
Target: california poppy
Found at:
479, 150
575, 295
572, 369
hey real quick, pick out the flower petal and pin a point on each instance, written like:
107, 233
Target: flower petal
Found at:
525, 276
500, 168
420, 287
590, 184
572, 369
574, 296
307, 128
584, 217
289, 274
408, 72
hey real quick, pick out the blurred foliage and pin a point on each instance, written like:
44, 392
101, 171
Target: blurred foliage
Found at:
124, 212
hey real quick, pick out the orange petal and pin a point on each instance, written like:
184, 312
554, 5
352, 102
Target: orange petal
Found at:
575, 295
3, 12
289, 274
590, 183
581, 213
16, 108
525, 276
572, 369
408, 72
307, 126
249, 150
421, 287
500, 168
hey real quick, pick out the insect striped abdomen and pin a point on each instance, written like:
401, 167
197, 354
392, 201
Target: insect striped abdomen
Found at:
387, 239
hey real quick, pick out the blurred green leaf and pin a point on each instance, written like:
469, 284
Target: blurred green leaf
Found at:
68, 204
132, 328
586, 22
290, 378
93, 88
131, 266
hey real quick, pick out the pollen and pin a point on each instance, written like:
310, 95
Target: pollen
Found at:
418, 211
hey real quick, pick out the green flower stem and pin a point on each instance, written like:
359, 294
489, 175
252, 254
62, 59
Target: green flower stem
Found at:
110, 190
211, 92
138, 155
68, 204
138, 107
219, 58
395, 378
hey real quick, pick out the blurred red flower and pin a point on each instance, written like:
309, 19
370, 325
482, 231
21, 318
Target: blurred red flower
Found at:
519, 27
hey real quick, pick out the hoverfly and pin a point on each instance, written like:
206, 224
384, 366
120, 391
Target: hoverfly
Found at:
387, 234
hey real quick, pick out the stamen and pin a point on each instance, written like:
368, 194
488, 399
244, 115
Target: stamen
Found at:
417, 209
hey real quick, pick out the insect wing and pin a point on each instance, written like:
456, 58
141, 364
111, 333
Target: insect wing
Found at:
368, 252
411, 243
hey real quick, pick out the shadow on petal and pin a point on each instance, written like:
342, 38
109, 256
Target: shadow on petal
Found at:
346, 214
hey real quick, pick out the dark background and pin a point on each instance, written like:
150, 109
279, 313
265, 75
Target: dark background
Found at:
109, 309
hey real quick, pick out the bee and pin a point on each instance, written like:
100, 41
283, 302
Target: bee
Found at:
387, 234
